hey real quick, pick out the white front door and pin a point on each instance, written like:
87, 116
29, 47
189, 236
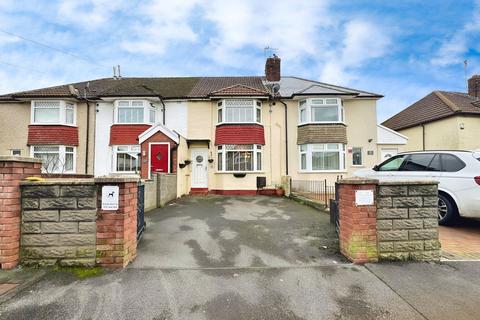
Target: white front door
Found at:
199, 168
388, 153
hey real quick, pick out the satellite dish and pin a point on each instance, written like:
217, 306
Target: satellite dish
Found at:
275, 88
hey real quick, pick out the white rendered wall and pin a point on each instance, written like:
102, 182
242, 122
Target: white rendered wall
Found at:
103, 152
176, 116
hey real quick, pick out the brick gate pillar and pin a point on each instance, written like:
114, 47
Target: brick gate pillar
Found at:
358, 222
117, 229
13, 169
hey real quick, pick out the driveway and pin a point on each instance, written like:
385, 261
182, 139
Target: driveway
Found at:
249, 258
221, 232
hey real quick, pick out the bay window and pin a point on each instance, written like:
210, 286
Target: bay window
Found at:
239, 111
134, 112
53, 112
55, 159
320, 110
127, 158
239, 158
322, 157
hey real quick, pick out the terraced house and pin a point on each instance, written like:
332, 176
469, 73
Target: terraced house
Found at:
218, 134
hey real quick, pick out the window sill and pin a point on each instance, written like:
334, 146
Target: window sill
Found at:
134, 123
233, 172
321, 122
323, 171
54, 124
224, 123
357, 166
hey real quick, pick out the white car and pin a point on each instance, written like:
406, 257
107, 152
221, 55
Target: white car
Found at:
458, 174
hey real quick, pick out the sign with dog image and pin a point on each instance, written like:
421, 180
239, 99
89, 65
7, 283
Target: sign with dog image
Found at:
110, 197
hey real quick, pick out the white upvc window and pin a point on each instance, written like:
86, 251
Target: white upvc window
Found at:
322, 157
134, 112
239, 158
320, 110
47, 112
126, 158
239, 111
55, 159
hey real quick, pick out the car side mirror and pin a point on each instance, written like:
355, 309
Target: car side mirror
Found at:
375, 168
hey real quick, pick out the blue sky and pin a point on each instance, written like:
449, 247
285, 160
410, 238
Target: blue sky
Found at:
401, 49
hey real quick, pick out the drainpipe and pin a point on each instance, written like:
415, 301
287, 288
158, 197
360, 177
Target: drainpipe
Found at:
423, 136
87, 140
286, 136
163, 110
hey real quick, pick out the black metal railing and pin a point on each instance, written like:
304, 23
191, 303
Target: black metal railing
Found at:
317, 190
140, 210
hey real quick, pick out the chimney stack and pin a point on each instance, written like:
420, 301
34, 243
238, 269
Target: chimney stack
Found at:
474, 86
272, 69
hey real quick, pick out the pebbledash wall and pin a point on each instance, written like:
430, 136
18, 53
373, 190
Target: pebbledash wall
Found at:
401, 223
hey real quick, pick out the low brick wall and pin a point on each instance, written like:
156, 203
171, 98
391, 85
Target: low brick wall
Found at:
117, 229
167, 188
59, 222
13, 169
407, 221
400, 224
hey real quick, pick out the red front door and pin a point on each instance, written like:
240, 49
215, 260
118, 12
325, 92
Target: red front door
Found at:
159, 158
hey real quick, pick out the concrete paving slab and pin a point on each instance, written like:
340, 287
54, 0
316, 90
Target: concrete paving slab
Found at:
438, 291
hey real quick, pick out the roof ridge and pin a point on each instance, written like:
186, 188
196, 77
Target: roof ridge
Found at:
445, 100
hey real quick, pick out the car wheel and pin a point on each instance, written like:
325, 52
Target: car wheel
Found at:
447, 212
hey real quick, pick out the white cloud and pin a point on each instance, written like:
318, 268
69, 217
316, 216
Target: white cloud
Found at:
89, 14
291, 26
362, 41
454, 49
166, 23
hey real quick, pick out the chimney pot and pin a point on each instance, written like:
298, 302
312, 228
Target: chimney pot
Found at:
474, 86
272, 69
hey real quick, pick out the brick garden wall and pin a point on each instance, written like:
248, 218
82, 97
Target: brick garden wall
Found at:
117, 229
59, 223
12, 171
407, 221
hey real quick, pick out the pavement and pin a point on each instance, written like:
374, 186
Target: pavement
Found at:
250, 258
461, 241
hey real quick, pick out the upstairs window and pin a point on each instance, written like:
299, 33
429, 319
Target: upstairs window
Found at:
53, 112
239, 111
134, 112
320, 110
130, 112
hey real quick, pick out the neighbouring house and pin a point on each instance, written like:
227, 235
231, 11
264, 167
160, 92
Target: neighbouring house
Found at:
218, 134
442, 120
389, 142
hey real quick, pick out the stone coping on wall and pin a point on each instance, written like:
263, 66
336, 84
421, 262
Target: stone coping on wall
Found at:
20, 159
360, 181
116, 179
62, 182
357, 181
407, 182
